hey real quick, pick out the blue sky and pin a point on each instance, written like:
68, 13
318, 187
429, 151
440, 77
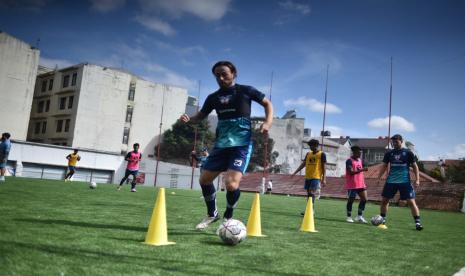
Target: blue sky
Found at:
177, 42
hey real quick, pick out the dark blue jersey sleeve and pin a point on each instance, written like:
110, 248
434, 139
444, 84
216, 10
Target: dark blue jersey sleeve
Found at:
386, 157
410, 157
254, 94
207, 105
323, 157
349, 164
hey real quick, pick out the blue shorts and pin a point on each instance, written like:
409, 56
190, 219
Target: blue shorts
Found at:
129, 172
352, 193
2, 164
312, 184
71, 168
405, 189
233, 158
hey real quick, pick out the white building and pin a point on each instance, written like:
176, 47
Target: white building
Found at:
93, 107
18, 69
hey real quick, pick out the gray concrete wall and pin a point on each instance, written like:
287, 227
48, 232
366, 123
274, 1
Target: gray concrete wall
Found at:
18, 70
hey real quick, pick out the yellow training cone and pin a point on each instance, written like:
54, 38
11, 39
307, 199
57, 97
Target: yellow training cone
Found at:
308, 225
158, 234
254, 224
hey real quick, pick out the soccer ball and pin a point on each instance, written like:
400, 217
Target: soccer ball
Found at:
376, 220
93, 185
232, 232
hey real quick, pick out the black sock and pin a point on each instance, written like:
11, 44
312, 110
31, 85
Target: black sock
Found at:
209, 195
232, 197
417, 219
133, 185
361, 207
350, 201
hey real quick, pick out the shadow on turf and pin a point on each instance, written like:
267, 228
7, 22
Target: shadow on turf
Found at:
85, 224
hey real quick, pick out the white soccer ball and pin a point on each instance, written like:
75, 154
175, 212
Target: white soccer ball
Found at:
92, 185
377, 220
232, 232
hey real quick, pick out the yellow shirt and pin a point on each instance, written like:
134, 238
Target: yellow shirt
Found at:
73, 158
313, 165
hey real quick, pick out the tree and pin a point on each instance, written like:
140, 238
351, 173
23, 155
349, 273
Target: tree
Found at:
178, 141
456, 173
258, 154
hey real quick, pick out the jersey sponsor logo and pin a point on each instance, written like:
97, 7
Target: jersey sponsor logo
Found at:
237, 162
225, 99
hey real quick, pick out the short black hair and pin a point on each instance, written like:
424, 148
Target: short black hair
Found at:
397, 137
136, 144
313, 142
76, 150
354, 148
226, 63
6, 135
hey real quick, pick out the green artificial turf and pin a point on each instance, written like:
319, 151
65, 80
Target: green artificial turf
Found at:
64, 228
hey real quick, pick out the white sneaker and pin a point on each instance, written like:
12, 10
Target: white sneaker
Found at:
2, 178
349, 219
206, 222
133, 190
360, 219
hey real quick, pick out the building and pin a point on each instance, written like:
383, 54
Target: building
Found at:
287, 133
98, 108
18, 69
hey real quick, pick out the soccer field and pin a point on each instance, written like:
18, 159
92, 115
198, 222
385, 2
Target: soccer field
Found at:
56, 228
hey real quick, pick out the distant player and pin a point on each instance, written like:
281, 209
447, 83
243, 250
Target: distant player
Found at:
355, 184
315, 170
133, 158
5, 147
73, 158
269, 186
201, 158
398, 179
233, 146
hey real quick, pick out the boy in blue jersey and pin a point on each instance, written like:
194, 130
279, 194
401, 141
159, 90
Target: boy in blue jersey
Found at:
5, 147
233, 148
398, 179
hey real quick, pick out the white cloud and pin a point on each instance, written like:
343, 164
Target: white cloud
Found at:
397, 123
293, 6
156, 24
312, 105
205, 9
336, 131
105, 6
457, 153
162, 74
52, 63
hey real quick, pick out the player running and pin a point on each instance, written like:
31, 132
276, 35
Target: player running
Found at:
233, 148
73, 158
133, 158
355, 185
400, 159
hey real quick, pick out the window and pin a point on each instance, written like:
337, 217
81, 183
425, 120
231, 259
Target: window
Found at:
126, 135
66, 81
129, 114
47, 105
379, 156
62, 103
73, 79
70, 102
50, 84
44, 127
44, 85
37, 128
132, 91
67, 124
59, 125
40, 107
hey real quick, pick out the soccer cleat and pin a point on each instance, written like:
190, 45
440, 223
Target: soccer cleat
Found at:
133, 190
360, 219
382, 226
349, 219
206, 222
119, 188
418, 226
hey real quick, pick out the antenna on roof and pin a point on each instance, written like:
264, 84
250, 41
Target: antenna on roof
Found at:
390, 108
324, 111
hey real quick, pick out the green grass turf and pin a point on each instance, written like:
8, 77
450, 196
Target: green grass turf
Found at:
52, 227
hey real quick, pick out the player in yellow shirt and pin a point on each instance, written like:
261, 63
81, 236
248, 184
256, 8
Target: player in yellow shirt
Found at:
73, 158
315, 170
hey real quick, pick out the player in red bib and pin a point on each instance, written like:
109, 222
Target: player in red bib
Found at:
133, 158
